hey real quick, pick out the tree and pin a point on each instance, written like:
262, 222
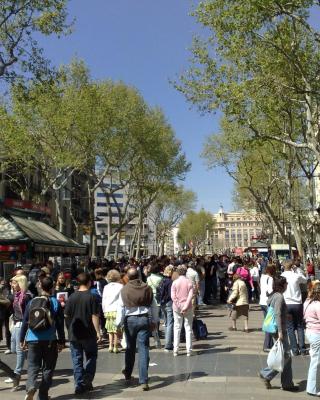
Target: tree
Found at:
193, 229
167, 211
20, 22
261, 60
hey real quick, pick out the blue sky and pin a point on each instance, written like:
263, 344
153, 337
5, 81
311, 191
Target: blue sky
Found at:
145, 43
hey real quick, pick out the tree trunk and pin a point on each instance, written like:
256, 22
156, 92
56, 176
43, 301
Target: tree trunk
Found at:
116, 251
93, 236
139, 236
58, 212
131, 252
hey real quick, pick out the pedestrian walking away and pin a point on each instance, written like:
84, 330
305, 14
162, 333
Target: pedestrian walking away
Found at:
82, 320
43, 320
138, 314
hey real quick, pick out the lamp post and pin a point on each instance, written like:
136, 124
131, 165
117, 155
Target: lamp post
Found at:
289, 240
102, 238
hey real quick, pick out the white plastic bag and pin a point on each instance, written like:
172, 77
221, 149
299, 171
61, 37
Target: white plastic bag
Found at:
276, 357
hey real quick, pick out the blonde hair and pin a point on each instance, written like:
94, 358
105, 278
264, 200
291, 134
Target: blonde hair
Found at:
22, 281
113, 276
168, 271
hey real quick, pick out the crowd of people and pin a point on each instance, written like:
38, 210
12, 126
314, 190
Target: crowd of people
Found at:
122, 303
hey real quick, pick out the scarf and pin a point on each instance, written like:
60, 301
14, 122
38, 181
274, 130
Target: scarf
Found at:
136, 294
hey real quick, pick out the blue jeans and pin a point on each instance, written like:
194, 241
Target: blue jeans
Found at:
84, 374
295, 323
268, 340
42, 356
314, 340
286, 374
16, 348
169, 326
137, 331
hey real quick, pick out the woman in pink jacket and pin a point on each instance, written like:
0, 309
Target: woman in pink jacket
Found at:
181, 294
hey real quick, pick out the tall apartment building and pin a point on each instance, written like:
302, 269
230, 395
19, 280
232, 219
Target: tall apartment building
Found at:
127, 233
235, 229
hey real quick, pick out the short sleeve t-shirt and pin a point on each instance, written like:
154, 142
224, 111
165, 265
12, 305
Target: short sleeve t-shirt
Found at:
79, 309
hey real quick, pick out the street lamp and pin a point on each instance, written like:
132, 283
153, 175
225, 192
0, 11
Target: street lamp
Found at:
102, 238
289, 239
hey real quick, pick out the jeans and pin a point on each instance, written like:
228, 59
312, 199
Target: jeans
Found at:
169, 326
178, 320
137, 331
286, 374
16, 348
42, 356
84, 374
202, 288
314, 340
295, 323
268, 340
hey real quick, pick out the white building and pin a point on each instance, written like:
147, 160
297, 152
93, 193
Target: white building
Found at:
235, 229
118, 204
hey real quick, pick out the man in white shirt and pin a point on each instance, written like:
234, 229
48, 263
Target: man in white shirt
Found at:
193, 276
293, 299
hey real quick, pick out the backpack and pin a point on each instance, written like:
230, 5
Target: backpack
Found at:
40, 318
199, 328
269, 323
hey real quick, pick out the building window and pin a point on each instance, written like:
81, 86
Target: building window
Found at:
115, 195
99, 204
105, 214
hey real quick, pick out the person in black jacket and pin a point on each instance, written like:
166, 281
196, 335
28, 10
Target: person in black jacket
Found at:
166, 305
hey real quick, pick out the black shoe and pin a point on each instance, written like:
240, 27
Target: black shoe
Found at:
88, 387
80, 390
291, 388
295, 353
127, 377
305, 352
145, 387
265, 381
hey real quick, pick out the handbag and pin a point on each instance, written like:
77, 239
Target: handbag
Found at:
275, 358
269, 323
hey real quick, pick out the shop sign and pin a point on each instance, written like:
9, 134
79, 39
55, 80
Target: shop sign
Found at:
12, 203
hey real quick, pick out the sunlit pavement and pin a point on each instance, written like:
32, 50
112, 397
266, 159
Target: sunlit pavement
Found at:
224, 366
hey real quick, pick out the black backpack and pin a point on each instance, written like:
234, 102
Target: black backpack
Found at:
40, 317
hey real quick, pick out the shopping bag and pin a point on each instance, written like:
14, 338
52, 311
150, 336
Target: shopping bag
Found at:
269, 323
276, 357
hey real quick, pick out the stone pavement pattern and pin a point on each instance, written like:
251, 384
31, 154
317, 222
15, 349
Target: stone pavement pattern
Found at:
223, 367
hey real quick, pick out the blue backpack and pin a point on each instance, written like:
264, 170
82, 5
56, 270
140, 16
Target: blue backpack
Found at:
199, 328
269, 323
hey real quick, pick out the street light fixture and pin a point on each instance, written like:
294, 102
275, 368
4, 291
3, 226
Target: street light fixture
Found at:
289, 239
102, 238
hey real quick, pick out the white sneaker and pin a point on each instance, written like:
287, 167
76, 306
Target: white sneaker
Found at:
166, 350
7, 352
189, 353
8, 380
175, 353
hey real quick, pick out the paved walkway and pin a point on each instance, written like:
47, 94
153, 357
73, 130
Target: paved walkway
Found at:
224, 367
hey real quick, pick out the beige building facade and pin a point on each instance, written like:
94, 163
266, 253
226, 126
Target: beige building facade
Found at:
235, 229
